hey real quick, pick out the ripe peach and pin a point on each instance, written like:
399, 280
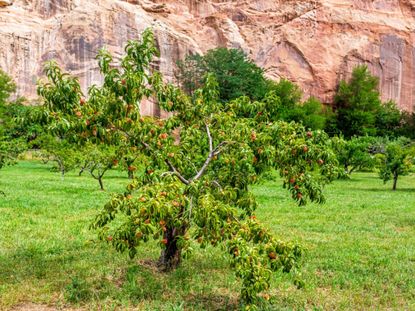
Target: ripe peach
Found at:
272, 255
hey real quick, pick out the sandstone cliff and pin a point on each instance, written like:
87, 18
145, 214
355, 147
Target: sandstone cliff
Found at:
311, 42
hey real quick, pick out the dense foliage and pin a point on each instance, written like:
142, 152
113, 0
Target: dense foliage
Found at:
193, 182
235, 73
10, 144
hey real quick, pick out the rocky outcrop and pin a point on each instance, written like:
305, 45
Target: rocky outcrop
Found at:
315, 43
5, 3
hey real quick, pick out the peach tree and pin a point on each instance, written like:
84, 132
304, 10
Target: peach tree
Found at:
356, 153
396, 159
197, 166
60, 152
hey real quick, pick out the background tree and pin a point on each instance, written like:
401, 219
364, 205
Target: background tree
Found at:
11, 144
357, 103
396, 160
7, 87
198, 166
357, 153
407, 127
98, 160
311, 114
389, 120
190, 73
64, 155
360, 111
236, 74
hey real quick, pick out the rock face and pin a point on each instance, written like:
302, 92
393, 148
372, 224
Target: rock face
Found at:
5, 3
314, 43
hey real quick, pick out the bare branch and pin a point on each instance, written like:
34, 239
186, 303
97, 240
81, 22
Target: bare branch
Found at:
176, 172
170, 165
166, 173
212, 154
210, 139
216, 151
217, 185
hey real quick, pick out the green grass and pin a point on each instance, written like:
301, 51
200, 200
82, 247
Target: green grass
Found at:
360, 249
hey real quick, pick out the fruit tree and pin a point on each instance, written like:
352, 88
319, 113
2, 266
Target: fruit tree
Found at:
197, 168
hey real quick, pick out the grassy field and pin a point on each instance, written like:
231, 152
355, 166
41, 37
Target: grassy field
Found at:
360, 249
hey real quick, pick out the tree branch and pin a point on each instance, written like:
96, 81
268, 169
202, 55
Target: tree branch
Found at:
170, 165
215, 182
176, 172
212, 153
210, 139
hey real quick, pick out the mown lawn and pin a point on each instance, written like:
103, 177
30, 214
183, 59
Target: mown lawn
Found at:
360, 249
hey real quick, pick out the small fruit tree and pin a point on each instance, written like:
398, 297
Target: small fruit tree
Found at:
98, 159
396, 160
73, 135
356, 153
198, 165
60, 152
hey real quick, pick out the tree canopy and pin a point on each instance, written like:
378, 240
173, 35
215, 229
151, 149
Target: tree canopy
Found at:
359, 109
235, 73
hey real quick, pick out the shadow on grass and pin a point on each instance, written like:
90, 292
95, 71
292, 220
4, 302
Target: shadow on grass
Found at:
134, 282
35, 262
210, 301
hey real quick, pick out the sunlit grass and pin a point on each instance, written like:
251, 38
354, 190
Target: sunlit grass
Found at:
360, 249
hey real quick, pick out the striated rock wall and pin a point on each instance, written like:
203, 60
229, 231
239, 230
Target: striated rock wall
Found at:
314, 43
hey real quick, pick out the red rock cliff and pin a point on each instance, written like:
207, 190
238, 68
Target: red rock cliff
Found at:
313, 43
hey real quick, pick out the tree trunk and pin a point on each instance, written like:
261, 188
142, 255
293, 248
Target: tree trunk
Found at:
395, 180
346, 168
101, 184
170, 257
81, 171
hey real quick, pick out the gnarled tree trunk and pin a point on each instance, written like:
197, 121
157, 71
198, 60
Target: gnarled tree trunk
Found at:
170, 257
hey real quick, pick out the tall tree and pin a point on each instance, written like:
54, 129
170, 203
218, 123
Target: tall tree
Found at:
236, 74
357, 103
